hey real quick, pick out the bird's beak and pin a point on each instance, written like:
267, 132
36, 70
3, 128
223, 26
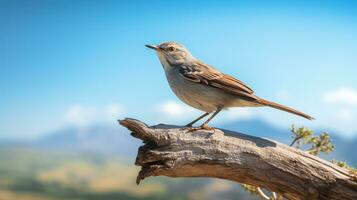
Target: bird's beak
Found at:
152, 47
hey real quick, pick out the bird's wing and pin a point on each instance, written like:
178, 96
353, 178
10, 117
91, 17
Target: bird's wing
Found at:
204, 74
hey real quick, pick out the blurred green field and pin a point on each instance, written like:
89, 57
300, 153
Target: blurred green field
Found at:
28, 174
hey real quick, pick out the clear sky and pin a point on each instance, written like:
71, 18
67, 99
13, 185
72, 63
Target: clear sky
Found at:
82, 62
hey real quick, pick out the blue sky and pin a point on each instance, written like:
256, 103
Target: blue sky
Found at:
83, 62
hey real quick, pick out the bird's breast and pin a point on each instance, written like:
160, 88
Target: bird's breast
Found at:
197, 95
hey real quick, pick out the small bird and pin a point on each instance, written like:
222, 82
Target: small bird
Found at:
204, 87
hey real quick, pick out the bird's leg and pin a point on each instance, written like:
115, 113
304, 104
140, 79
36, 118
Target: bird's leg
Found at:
204, 125
196, 120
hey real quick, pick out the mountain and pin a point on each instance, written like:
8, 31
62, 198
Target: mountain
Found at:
114, 139
259, 128
103, 139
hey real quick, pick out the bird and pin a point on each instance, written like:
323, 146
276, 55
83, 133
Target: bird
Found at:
205, 88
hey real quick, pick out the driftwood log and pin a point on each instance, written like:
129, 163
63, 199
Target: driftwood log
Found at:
175, 152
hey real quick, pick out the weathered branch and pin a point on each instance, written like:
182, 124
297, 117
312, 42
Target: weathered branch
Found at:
173, 151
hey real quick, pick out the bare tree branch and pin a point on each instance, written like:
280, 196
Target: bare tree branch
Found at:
262, 194
173, 151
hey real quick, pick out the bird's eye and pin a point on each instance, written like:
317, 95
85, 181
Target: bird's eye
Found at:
171, 49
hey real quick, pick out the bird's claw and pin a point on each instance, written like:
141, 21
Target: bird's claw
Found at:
202, 127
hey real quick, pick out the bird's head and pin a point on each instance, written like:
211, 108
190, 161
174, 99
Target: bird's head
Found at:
172, 53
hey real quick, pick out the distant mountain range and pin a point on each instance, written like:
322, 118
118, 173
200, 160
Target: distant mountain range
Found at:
103, 139
113, 139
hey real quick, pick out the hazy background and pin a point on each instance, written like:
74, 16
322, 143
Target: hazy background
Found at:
70, 69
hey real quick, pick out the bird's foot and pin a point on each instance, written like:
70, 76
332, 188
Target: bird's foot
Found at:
187, 127
202, 127
206, 127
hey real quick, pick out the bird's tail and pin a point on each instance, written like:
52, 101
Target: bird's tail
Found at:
284, 108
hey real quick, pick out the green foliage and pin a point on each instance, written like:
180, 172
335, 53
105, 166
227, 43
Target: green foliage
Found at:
250, 188
321, 143
300, 136
318, 144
